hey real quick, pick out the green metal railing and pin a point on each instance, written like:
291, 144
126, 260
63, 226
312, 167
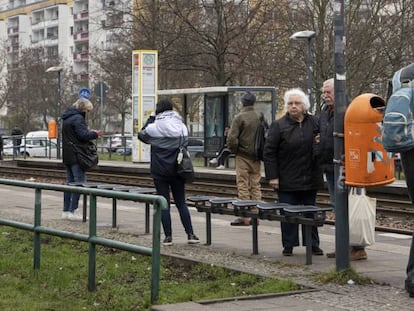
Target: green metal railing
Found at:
157, 201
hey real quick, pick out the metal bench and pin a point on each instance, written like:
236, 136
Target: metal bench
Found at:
306, 215
300, 214
116, 187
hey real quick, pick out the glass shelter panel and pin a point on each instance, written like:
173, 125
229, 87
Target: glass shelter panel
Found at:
263, 104
194, 115
214, 121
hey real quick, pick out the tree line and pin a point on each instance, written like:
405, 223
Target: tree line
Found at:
223, 43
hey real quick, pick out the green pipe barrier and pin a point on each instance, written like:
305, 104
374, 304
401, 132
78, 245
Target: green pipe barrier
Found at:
159, 203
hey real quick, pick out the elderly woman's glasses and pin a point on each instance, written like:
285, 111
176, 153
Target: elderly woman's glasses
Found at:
294, 103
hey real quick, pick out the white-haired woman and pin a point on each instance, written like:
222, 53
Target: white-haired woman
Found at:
289, 163
75, 131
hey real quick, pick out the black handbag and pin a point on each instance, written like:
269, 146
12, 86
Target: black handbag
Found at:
184, 165
86, 155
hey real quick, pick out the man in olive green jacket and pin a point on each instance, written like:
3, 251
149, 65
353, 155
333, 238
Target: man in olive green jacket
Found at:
240, 141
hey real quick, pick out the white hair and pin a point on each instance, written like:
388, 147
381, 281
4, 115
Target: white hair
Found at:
330, 81
296, 91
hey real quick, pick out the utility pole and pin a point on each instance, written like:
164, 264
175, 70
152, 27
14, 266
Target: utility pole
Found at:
341, 193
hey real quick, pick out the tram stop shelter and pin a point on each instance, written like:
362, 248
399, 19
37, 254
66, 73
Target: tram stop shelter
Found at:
208, 111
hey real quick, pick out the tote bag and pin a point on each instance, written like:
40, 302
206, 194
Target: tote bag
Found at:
86, 155
361, 210
184, 165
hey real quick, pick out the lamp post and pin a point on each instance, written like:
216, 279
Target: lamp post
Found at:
57, 69
308, 35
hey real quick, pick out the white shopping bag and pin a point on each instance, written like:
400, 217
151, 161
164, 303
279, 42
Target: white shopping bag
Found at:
361, 209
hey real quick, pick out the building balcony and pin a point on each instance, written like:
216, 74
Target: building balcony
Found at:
13, 30
84, 76
81, 57
83, 15
13, 47
84, 36
36, 21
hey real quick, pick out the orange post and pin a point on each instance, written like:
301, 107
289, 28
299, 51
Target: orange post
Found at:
52, 129
366, 161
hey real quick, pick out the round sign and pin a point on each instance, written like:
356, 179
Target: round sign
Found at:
84, 93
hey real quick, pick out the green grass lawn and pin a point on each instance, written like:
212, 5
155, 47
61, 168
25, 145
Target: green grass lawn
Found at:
123, 278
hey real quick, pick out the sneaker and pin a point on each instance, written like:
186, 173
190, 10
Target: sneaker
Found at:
213, 161
360, 254
167, 241
331, 255
220, 167
287, 251
193, 239
75, 216
66, 215
317, 251
240, 222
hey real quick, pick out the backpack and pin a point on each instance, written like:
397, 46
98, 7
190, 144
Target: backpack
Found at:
397, 125
260, 138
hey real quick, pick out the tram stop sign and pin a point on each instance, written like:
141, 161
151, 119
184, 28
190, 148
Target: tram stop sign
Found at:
84, 93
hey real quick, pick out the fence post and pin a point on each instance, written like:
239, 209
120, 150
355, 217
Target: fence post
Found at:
156, 248
37, 223
92, 245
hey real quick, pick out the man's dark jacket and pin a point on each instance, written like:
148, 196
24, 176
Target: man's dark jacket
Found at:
326, 146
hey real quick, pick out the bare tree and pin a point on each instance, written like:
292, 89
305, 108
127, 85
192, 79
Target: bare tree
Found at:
114, 69
31, 98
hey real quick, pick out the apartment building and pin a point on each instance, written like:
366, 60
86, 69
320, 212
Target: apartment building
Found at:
66, 28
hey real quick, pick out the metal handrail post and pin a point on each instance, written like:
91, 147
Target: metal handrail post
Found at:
92, 245
37, 223
156, 248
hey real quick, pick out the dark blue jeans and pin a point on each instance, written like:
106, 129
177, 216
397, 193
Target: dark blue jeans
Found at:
290, 232
73, 174
177, 187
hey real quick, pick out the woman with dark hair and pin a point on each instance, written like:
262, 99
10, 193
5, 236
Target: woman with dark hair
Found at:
166, 132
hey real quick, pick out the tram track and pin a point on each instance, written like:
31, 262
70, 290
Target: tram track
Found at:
394, 212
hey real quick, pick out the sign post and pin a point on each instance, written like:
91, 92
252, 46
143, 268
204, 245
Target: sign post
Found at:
144, 97
100, 90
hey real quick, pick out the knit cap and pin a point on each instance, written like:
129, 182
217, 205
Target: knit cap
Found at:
248, 99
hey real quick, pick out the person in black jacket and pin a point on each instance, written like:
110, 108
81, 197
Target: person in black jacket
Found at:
17, 134
75, 131
166, 132
326, 127
290, 164
223, 154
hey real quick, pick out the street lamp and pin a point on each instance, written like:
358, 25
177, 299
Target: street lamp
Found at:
309, 35
57, 69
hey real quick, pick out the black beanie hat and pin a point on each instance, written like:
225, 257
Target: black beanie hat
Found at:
248, 99
163, 105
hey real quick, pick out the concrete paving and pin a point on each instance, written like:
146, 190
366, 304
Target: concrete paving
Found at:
386, 263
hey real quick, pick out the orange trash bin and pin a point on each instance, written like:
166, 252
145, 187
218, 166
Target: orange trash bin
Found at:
52, 129
366, 161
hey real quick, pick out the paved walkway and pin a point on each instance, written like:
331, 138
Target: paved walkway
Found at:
386, 262
386, 265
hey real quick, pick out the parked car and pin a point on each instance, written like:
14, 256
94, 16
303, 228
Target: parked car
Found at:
34, 144
116, 142
195, 147
127, 150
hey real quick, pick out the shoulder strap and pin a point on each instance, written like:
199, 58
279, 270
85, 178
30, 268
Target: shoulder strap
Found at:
396, 84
